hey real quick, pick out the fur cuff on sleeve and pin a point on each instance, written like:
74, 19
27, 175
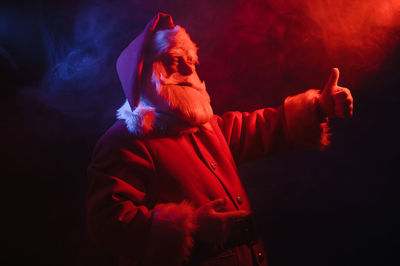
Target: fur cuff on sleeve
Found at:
171, 235
306, 127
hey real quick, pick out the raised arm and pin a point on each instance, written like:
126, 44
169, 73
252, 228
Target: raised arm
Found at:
300, 123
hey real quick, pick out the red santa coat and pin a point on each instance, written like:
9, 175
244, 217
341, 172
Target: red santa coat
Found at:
143, 190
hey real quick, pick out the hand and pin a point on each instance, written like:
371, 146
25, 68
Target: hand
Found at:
215, 225
336, 101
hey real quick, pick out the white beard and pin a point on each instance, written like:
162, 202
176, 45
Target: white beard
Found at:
190, 102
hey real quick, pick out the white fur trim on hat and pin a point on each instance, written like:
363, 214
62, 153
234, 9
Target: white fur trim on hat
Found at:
139, 121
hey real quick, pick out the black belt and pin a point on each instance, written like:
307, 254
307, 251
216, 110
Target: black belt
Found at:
243, 233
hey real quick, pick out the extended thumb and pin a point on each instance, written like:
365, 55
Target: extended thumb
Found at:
333, 79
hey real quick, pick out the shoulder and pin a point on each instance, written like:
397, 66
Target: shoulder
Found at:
227, 119
116, 135
118, 141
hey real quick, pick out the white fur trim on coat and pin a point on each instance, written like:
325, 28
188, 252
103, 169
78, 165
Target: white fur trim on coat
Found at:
145, 119
306, 126
171, 235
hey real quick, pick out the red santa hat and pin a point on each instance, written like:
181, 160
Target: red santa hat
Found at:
130, 62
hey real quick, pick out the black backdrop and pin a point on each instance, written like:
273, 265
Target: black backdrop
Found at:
60, 92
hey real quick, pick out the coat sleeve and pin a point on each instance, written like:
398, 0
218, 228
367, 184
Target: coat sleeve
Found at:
121, 216
297, 124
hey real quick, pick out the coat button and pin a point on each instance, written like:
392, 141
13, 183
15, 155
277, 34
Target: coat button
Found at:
239, 200
260, 257
213, 165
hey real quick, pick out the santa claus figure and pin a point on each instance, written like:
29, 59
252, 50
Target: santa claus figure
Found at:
164, 187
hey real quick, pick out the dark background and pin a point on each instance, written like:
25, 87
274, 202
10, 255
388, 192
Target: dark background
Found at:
60, 92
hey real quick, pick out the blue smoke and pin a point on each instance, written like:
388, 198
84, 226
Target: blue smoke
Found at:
82, 43
76, 59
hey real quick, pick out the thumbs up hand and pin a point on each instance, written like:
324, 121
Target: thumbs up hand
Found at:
336, 101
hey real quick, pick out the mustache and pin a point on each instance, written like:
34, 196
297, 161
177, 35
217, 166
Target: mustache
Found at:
176, 79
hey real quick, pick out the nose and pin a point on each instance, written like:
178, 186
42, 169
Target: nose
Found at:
184, 69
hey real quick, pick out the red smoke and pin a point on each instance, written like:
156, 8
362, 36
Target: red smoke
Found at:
358, 33
265, 50
253, 53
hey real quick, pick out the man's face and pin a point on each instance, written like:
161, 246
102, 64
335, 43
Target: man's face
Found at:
180, 59
176, 88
